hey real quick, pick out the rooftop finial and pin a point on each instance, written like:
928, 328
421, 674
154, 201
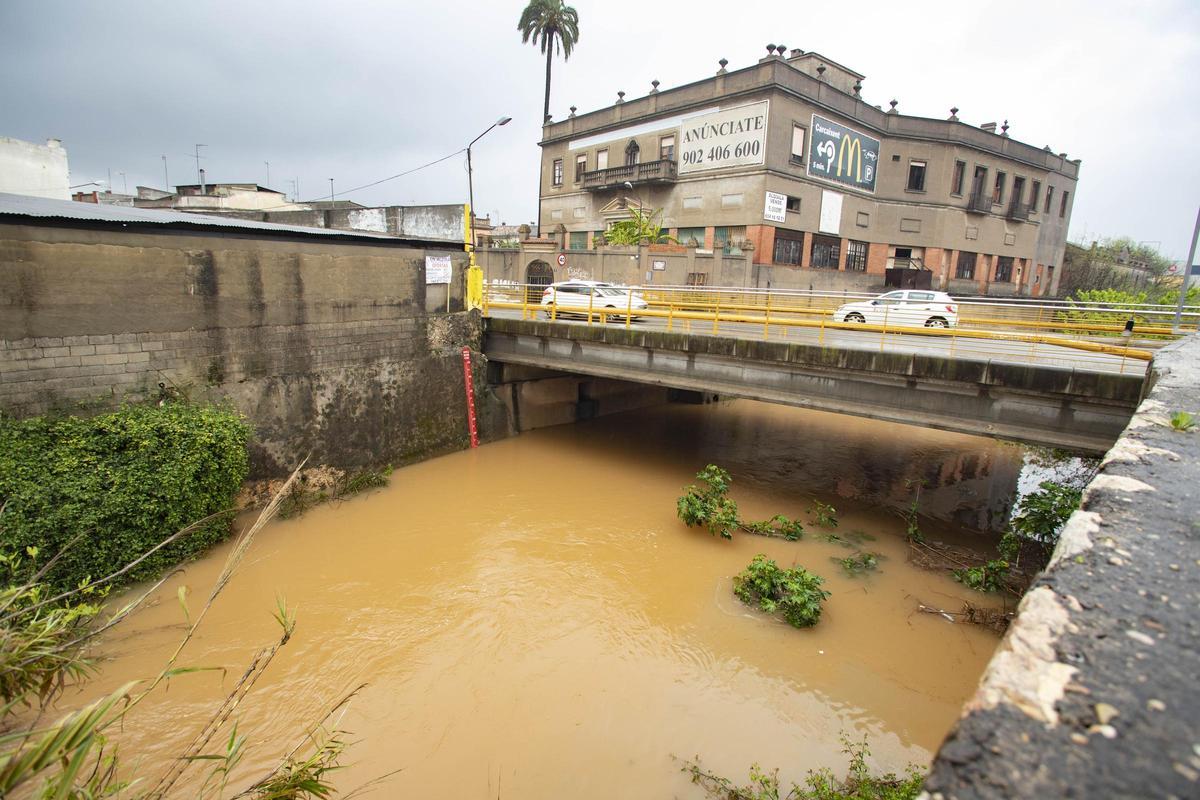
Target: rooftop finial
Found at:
893, 103
573, 109
770, 50
722, 62
620, 97
821, 70
858, 89
781, 49
954, 113
1004, 128
654, 87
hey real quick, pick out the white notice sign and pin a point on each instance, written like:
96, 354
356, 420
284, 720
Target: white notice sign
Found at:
776, 207
730, 137
831, 213
437, 269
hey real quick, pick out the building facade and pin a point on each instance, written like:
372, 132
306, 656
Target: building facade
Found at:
785, 162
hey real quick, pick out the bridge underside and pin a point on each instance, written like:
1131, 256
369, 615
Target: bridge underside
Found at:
1050, 406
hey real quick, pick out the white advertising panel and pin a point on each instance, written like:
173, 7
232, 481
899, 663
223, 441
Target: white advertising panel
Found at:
831, 213
731, 137
775, 209
437, 269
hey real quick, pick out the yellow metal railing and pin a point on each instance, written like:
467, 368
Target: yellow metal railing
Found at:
736, 312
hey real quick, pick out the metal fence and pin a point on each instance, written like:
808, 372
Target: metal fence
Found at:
1092, 336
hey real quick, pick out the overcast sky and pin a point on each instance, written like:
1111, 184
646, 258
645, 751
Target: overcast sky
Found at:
359, 91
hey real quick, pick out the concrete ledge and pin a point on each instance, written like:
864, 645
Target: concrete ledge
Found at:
1093, 692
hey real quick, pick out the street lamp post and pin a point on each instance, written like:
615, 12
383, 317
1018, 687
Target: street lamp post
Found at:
474, 279
470, 180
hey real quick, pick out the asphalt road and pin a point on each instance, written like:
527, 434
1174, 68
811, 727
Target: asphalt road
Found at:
988, 349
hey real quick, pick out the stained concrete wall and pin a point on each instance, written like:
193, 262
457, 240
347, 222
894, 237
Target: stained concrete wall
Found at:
338, 351
1092, 693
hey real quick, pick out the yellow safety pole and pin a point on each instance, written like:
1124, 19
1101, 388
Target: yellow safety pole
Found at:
525, 302
474, 273
716, 313
820, 337
883, 333
670, 315
628, 308
767, 323
591, 300
554, 304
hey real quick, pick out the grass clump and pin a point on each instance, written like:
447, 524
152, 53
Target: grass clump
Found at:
102, 493
325, 484
860, 562
795, 593
1183, 421
823, 514
858, 784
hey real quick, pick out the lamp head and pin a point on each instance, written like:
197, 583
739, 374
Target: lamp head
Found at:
504, 120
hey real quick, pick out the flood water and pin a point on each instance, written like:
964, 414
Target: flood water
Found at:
533, 621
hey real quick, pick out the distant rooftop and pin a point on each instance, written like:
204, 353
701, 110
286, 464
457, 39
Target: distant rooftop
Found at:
14, 206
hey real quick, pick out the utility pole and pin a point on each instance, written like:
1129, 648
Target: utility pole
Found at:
110, 179
331, 191
268, 163
1187, 274
198, 160
166, 179
295, 182
124, 183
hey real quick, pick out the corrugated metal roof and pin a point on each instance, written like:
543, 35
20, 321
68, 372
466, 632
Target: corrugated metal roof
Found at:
21, 205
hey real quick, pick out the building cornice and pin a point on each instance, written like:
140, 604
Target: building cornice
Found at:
777, 75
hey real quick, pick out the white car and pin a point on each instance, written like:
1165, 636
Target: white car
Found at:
575, 297
912, 307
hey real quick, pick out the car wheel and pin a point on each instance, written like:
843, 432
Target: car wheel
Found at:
857, 318
936, 322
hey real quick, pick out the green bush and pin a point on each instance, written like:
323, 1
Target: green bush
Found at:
796, 592
104, 490
710, 506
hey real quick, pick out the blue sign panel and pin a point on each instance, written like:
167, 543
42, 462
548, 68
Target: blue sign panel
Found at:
842, 155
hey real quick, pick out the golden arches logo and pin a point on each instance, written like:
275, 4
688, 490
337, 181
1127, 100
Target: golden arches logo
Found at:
851, 150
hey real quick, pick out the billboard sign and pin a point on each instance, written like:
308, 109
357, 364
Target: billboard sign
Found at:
842, 155
731, 137
775, 208
437, 269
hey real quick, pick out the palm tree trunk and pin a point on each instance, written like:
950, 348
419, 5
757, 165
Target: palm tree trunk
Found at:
549, 55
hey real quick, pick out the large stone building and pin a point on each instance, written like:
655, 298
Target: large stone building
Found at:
785, 161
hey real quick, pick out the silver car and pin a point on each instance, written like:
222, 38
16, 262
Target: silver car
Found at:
576, 297
912, 307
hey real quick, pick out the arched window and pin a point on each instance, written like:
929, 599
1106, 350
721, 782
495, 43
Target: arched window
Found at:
632, 153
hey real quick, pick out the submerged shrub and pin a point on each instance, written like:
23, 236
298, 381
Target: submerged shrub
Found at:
100, 492
796, 593
709, 506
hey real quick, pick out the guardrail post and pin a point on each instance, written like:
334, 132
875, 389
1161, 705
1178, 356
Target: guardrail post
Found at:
629, 309
524, 302
591, 300
670, 315
716, 313
767, 319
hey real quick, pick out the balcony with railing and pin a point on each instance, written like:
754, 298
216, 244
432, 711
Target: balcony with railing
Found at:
980, 202
1018, 211
661, 171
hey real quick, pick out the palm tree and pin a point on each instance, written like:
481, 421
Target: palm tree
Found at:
550, 24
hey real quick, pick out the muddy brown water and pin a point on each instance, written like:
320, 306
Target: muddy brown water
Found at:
533, 621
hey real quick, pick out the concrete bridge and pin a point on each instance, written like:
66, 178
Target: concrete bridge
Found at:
1055, 406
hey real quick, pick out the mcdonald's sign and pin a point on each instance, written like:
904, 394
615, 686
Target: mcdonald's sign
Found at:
842, 155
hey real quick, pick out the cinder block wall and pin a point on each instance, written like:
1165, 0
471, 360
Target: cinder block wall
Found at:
338, 351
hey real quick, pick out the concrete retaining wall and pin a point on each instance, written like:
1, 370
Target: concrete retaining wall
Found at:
1093, 693
338, 351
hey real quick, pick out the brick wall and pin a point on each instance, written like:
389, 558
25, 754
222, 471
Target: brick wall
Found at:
334, 350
